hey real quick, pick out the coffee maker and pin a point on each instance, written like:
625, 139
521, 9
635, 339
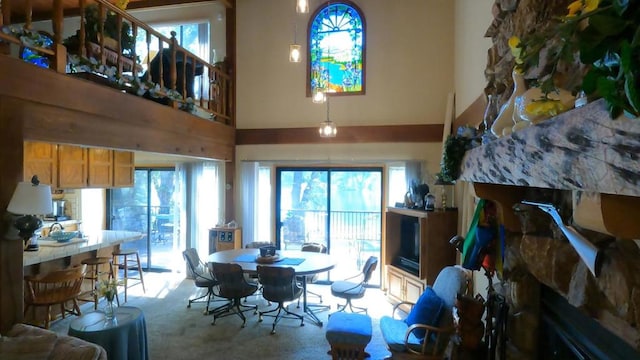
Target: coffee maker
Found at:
58, 211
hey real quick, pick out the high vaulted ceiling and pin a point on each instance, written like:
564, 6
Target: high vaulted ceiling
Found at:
41, 9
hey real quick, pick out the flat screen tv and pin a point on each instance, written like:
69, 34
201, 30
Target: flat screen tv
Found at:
410, 238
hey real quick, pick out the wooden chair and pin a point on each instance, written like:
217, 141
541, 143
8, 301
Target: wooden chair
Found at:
56, 287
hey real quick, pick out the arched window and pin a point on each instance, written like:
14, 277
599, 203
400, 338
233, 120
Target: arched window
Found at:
336, 49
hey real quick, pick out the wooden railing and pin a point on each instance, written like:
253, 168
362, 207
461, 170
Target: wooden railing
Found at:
173, 67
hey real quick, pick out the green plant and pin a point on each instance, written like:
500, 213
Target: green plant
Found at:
600, 36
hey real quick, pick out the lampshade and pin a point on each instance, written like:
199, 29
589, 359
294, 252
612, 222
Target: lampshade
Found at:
30, 199
294, 53
319, 96
302, 6
328, 129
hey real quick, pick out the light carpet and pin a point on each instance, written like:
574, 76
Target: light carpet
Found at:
176, 332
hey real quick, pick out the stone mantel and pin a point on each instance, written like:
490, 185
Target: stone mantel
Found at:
582, 149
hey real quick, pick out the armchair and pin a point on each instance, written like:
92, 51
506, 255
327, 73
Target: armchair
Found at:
426, 331
279, 285
233, 287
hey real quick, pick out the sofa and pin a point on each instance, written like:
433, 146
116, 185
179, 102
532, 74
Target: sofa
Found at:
34, 343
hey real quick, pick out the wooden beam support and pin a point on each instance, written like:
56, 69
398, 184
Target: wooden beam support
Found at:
346, 134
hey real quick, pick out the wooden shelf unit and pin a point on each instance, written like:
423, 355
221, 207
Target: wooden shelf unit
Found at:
436, 228
224, 238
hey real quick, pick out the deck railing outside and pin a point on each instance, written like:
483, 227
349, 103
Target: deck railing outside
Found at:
173, 68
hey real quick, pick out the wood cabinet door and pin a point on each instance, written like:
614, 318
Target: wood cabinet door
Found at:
395, 281
123, 168
413, 289
72, 169
100, 163
41, 159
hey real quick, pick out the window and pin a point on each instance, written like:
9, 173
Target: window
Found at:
193, 37
336, 49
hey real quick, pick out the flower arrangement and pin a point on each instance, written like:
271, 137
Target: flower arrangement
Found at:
108, 289
599, 40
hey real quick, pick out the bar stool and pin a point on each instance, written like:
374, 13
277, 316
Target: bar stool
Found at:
128, 263
94, 275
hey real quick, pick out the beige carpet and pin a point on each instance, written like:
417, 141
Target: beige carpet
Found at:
175, 332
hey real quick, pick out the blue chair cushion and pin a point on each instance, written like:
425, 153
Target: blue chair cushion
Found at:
393, 332
426, 311
349, 328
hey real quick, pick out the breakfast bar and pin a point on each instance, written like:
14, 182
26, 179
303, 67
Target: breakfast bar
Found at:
50, 250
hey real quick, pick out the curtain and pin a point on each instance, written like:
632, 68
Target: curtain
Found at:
249, 176
204, 201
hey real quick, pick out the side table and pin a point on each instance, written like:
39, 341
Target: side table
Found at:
123, 337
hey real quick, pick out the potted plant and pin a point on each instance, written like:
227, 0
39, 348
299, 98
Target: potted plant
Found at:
110, 27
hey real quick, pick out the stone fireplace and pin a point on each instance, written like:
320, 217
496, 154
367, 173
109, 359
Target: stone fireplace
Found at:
578, 152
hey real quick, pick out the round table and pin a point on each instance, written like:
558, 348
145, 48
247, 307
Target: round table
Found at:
313, 263
123, 337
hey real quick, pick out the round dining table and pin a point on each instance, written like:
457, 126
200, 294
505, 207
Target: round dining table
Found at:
303, 262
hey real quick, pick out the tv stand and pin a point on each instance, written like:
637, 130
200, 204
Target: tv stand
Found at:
436, 228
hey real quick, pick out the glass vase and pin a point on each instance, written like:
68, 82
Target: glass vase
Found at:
109, 309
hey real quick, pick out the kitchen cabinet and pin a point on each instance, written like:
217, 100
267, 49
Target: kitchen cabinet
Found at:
41, 159
100, 164
123, 168
72, 166
76, 167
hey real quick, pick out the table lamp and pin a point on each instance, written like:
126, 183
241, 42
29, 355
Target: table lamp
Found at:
30, 200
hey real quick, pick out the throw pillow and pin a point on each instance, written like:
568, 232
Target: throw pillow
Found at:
426, 311
27, 347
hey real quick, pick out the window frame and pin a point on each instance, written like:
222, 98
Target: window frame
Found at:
364, 48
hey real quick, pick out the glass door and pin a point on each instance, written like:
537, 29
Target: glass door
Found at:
338, 207
148, 207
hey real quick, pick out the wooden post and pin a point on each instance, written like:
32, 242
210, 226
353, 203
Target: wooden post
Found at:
172, 67
61, 51
82, 36
5, 18
29, 14
11, 270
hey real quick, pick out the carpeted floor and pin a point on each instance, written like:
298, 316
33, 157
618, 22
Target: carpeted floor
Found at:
175, 332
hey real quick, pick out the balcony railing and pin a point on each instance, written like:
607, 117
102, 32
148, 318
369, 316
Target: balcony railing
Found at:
108, 35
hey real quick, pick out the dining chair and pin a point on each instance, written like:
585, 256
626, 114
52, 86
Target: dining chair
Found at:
279, 284
355, 286
317, 248
55, 288
233, 287
202, 277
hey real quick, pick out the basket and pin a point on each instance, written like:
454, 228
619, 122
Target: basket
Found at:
63, 236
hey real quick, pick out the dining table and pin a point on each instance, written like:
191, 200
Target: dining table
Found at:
303, 262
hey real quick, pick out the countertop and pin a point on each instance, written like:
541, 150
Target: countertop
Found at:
103, 239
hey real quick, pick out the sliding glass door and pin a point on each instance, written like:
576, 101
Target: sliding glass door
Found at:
338, 207
149, 207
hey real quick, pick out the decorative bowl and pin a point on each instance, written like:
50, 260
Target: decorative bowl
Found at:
267, 251
63, 236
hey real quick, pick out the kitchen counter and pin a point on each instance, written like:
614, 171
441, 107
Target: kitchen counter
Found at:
106, 238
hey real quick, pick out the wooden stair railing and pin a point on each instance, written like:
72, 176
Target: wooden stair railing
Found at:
215, 87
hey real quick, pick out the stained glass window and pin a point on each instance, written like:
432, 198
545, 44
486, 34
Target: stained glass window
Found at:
336, 49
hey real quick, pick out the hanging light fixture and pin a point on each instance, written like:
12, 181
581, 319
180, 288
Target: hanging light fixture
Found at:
328, 128
302, 6
295, 54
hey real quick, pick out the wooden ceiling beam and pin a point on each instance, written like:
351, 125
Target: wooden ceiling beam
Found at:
346, 134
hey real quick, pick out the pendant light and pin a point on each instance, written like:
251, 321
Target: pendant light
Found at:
328, 128
295, 52
302, 6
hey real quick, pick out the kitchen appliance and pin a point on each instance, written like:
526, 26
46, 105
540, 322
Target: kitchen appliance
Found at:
58, 211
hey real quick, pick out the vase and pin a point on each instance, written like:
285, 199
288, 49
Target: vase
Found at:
506, 119
109, 309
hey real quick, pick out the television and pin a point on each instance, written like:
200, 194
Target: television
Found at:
410, 238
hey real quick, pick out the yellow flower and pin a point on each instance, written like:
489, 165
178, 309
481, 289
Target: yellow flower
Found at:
545, 107
122, 4
516, 49
582, 7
